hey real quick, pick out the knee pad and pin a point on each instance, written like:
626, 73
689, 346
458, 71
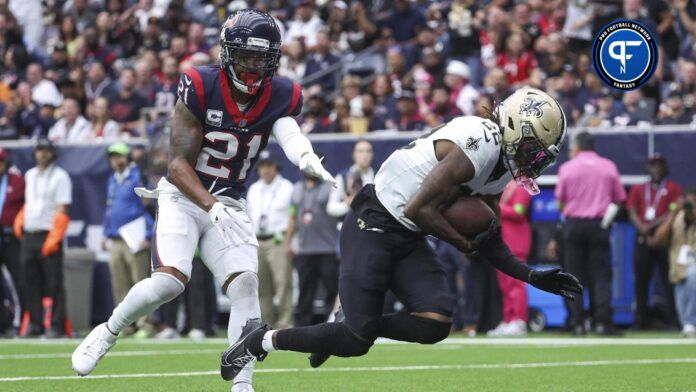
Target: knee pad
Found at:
244, 285
165, 286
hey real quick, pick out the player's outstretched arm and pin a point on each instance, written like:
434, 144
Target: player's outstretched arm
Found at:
440, 188
298, 149
495, 251
185, 144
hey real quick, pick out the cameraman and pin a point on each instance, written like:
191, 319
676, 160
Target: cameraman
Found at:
679, 232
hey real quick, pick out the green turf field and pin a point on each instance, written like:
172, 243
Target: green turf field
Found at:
541, 363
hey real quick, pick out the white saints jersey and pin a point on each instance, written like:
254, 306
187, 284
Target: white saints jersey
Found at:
402, 174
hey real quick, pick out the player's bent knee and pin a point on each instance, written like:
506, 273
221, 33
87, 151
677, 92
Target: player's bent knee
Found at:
430, 331
243, 285
166, 287
350, 344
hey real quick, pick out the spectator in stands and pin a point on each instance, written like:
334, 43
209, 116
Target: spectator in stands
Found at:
315, 258
462, 94
351, 28
196, 39
516, 60
495, 84
374, 118
126, 103
630, 113
678, 232
314, 119
293, 64
578, 24
305, 25
571, 94
33, 120
649, 204
72, 127
11, 201
383, 91
144, 80
320, 60
464, 21
268, 204
440, 109
102, 126
41, 226
408, 118
396, 68
673, 111
80, 11
403, 23
43, 91
93, 50
340, 117
165, 90
515, 203
349, 181
128, 244
98, 84
586, 242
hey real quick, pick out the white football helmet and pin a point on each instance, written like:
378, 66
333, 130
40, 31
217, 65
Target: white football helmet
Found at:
534, 127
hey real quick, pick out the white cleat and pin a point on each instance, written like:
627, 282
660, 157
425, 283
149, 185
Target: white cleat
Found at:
515, 328
92, 349
196, 335
497, 331
242, 386
168, 333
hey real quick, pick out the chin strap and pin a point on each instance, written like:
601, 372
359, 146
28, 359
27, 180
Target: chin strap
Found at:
529, 185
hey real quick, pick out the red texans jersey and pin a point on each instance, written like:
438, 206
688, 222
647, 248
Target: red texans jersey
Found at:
233, 138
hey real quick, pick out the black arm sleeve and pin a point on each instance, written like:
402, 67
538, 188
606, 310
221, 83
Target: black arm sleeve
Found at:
499, 255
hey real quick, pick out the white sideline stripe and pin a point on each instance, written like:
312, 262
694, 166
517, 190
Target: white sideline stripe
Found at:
371, 369
476, 341
113, 354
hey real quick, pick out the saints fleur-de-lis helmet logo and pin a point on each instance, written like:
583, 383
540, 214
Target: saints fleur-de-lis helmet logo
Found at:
531, 107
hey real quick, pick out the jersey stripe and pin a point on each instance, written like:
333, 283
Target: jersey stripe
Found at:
198, 85
297, 89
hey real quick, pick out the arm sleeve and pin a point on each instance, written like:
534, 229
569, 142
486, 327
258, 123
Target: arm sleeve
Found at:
290, 138
633, 198
336, 206
499, 255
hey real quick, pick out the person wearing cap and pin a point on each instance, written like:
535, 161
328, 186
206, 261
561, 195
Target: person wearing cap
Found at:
11, 201
305, 25
268, 203
129, 261
72, 127
462, 94
408, 118
649, 204
588, 189
314, 248
41, 226
673, 111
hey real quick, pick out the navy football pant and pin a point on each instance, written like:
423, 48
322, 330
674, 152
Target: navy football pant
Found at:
371, 263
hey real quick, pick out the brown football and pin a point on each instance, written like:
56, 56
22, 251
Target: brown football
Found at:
469, 216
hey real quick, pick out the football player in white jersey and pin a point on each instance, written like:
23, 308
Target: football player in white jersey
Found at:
383, 243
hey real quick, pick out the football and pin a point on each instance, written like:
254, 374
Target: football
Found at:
469, 216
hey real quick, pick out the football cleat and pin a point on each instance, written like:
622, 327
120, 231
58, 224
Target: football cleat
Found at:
92, 349
239, 355
242, 386
318, 359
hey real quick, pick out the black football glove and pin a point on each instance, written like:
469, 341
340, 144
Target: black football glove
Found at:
556, 282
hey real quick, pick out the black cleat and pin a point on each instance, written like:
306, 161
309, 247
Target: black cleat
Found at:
240, 354
318, 359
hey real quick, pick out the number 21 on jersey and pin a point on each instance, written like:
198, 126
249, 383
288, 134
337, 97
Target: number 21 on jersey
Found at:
213, 162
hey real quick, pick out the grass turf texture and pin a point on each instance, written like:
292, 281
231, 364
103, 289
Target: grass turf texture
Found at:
530, 364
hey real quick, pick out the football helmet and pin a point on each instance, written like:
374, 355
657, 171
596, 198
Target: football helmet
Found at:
534, 128
249, 49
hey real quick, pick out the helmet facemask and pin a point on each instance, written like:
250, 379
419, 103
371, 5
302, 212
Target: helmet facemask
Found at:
249, 68
528, 158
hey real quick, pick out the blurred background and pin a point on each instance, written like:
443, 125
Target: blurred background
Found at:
89, 73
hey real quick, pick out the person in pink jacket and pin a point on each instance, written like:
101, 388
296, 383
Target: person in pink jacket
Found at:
514, 212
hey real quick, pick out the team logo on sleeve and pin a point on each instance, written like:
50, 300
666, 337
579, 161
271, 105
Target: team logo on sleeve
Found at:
472, 143
213, 117
624, 54
531, 107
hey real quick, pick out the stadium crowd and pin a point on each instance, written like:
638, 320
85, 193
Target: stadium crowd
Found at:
88, 69
91, 70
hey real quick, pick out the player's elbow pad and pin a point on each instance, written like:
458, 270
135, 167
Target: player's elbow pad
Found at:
499, 255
